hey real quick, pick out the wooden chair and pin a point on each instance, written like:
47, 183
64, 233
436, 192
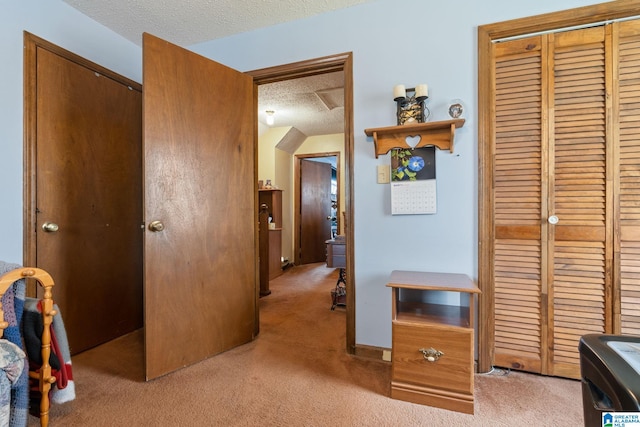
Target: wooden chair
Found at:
44, 377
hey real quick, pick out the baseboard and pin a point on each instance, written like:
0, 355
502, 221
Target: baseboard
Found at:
371, 352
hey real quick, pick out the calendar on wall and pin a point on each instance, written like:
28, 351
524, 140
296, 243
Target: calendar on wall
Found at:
413, 181
413, 198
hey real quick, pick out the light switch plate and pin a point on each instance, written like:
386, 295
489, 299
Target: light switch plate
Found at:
384, 174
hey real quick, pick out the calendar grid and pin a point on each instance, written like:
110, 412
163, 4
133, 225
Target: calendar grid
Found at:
413, 197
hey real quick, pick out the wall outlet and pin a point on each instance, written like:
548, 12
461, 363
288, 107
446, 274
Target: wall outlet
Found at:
386, 355
384, 174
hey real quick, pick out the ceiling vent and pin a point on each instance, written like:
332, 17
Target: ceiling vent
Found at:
331, 98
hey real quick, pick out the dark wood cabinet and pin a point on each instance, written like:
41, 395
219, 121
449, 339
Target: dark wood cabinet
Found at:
273, 199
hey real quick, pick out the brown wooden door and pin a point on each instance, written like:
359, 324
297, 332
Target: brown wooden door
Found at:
580, 244
552, 204
585, 270
86, 169
520, 313
627, 182
315, 210
200, 270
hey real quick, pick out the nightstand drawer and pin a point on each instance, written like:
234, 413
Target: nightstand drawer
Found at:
336, 254
452, 371
338, 249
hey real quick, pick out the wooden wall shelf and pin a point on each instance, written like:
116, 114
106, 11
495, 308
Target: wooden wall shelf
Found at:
439, 134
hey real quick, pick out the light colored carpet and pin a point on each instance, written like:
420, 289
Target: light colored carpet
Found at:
296, 373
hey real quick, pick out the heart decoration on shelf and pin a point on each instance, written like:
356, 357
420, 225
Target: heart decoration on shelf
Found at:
413, 140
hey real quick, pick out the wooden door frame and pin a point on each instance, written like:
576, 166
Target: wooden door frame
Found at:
297, 191
329, 64
487, 35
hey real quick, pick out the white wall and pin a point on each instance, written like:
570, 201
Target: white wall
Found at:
393, 41
273, 164
60, 24
268, 141
408, 42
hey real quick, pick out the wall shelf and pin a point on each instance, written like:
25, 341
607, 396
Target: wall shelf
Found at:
440, 134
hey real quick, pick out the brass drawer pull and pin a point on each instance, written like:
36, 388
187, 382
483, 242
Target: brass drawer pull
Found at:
431, 354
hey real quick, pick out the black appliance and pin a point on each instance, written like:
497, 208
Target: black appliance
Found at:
610, 372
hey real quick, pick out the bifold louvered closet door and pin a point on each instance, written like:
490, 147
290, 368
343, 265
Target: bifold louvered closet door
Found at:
566, 194
627, 180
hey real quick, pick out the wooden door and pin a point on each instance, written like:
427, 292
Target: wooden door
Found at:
580, 248
84, 176
200, 266
588, 92
315, 210
552, 199
520, 312
627, 182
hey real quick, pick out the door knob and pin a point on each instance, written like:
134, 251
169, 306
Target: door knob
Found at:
156, 226
553, 220
50, 227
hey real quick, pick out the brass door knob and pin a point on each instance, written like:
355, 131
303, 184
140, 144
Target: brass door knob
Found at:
156, 226
50, 227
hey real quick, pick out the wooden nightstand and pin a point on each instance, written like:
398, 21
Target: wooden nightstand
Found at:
433, 339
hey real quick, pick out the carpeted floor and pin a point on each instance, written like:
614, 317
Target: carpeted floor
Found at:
296, 373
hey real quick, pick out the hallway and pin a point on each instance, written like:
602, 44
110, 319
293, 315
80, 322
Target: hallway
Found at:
303, 294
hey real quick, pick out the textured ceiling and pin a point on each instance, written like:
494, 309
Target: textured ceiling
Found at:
313, 105
186, 22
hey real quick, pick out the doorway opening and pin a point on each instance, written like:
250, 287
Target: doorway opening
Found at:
316, 67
